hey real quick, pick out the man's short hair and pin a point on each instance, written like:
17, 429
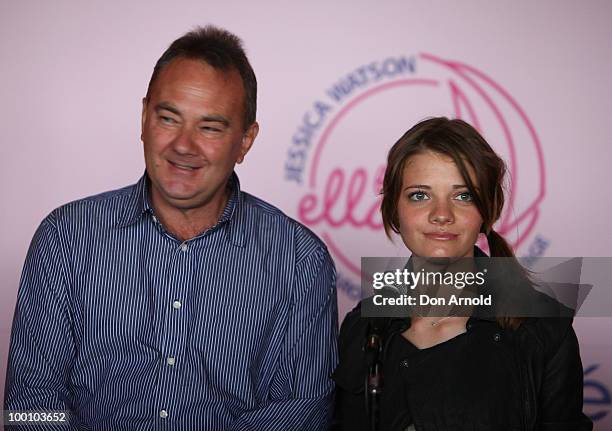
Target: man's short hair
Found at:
220, 49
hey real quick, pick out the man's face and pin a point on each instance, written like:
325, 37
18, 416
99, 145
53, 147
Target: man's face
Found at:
193, 133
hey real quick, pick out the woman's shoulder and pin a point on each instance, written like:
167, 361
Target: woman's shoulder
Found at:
548, 333
354, 330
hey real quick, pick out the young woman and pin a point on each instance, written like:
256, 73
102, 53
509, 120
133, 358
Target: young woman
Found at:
442, 189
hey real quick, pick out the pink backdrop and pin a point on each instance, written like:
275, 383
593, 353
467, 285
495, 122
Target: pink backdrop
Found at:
339, 82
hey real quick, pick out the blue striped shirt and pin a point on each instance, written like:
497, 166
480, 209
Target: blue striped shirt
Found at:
129, 328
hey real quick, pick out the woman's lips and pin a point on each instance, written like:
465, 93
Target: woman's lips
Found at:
441, 236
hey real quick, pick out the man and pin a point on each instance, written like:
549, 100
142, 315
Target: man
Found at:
180, 302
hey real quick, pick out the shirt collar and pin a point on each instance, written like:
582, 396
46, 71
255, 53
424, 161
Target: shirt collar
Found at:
138, 205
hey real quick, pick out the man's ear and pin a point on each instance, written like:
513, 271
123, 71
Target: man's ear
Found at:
143, 116
247, 141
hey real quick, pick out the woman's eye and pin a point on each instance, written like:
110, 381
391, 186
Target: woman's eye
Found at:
465, 197
418, 196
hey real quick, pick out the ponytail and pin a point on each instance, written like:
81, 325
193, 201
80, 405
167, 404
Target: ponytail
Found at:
498, 246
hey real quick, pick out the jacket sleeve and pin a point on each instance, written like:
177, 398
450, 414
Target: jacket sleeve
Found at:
561, 396
350, 412
42, 348
301, 395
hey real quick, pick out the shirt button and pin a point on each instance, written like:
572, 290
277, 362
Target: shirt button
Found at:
176, 305
155, 219
405, 363
184, 246
170, 360
163, 414
497, 337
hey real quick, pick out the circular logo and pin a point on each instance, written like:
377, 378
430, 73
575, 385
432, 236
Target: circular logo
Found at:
337, 154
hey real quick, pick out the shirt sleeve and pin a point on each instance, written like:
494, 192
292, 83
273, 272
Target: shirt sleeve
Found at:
42, 347
561, 397
301, 394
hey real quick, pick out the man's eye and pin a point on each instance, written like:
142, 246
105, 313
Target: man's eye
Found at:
418, 196
167, 120
465, 197
210, 129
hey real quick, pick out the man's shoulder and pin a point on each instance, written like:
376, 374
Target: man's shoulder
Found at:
109, 205
303, 236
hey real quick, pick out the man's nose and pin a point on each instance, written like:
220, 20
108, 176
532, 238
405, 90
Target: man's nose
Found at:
184, 142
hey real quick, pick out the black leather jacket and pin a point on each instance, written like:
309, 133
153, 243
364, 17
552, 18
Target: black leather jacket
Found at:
547, 377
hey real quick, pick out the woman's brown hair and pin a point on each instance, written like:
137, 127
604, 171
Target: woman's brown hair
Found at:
466, 147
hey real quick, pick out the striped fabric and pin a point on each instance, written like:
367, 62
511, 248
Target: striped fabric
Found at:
130, 329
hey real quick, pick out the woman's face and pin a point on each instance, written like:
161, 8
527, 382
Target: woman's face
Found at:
437, 215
